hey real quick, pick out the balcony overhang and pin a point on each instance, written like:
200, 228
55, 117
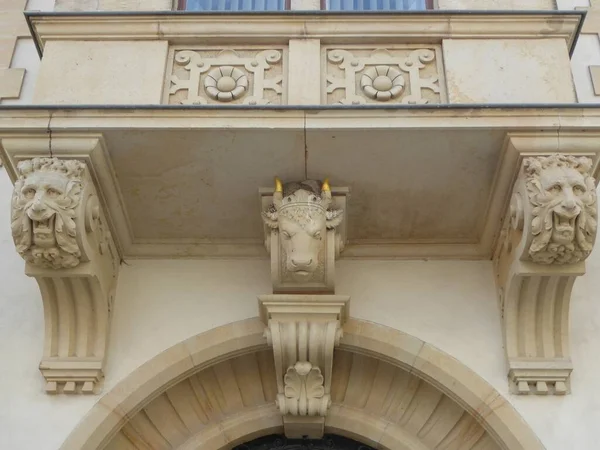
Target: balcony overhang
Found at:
332, 28
425, 182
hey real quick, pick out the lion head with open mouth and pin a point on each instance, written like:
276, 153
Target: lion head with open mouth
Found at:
563, 194
44, 203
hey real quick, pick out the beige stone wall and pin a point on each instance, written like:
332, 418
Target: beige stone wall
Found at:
497, 4
113, 5
12, 27
117, 72
508, 71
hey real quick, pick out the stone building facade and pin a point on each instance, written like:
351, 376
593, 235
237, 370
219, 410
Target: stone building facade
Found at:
217, 227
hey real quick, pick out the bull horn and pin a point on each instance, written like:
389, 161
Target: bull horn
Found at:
278, 185
326, 193
278, 194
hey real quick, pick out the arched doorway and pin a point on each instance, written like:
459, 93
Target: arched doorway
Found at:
280, 442
217, 390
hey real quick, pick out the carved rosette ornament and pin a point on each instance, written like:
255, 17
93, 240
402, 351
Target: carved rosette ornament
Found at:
400, 74
550, 231
242, 76
225, 83
382, 83
60, 231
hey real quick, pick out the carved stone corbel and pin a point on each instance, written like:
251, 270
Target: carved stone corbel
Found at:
549, 232
303, 331
304, 232
60, 230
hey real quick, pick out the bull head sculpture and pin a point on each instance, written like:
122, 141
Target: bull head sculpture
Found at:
301, 212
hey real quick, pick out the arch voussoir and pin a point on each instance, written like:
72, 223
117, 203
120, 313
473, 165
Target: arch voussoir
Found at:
396, 364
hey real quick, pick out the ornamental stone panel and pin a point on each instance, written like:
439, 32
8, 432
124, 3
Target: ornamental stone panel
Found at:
250, 76
407, 74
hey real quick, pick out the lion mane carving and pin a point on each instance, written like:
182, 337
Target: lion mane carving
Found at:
44, 203
302, 213
563, 195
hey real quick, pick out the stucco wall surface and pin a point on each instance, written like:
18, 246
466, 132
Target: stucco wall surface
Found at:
451, 305
508, 71
79, 73
113, 5
19, 61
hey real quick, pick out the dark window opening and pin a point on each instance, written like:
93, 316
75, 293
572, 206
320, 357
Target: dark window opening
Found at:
279, 442
377, 5
233, 5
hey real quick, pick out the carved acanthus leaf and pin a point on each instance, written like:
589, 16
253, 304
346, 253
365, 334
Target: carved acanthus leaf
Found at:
304, 392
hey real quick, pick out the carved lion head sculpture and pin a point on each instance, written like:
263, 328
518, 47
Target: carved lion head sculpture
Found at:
45, 197
563, 195
302, 214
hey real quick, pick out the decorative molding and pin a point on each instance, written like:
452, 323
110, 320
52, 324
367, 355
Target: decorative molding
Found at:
303, 331
399, 74
303, 392
549, 231
277, 29
237, 76
555, 129
60, 230
303, 235
374, 365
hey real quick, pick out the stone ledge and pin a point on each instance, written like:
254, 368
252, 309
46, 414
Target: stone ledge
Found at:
279, 28
24, 133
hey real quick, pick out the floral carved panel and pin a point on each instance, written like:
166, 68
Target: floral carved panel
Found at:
396, 74
249, 76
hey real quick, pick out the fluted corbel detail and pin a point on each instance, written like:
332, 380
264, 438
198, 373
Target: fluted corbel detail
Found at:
60, 230
549, 231
303, 331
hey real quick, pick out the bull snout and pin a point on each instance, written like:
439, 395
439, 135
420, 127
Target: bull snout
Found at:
301, 262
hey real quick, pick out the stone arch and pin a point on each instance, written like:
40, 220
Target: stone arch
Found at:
215, 390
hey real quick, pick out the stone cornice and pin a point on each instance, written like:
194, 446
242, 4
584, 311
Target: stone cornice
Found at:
16, 119
330, 28
554, 128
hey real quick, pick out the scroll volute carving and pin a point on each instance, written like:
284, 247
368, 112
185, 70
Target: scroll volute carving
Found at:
303, 237
550, 231
60, 230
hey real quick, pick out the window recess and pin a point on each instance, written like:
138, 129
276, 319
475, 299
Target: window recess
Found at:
233, 5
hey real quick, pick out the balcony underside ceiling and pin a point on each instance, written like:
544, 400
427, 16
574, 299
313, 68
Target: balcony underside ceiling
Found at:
424, 182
